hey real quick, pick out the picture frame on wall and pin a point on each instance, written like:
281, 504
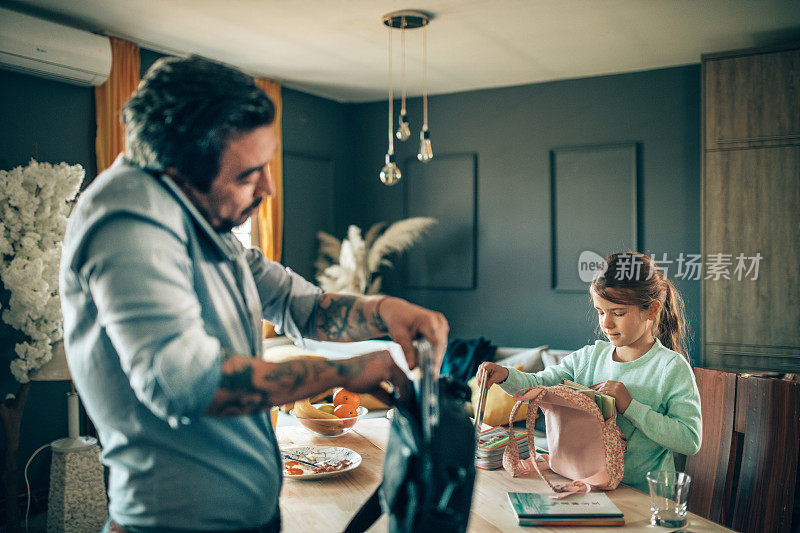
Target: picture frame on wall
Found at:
594, 207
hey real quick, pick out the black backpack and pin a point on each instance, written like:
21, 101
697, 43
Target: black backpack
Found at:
429, 466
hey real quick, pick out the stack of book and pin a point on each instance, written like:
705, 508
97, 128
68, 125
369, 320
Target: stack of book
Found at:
586, 509
492, 443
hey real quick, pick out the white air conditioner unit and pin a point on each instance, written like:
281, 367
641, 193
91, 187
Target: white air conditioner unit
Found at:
43, 48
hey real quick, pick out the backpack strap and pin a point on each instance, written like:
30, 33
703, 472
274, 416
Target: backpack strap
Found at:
511, 461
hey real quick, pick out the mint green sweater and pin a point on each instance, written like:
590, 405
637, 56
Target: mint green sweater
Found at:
664, 415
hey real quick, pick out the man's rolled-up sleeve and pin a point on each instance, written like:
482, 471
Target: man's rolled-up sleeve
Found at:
141, 281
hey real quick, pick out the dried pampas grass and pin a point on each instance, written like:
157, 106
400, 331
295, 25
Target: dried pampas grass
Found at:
353, 265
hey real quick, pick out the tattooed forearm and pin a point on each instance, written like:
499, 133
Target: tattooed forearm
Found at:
250, 385
375, 319
348, 318
236, 376
342, 369
236, 394
333, 316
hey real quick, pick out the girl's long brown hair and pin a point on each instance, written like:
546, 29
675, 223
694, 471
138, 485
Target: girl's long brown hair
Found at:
632, 278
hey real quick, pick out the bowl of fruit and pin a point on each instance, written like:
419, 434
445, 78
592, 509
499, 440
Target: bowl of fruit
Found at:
330, 419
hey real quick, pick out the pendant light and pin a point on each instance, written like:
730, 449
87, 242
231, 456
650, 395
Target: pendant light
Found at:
403, 131
425, 153
404, 20
390, 174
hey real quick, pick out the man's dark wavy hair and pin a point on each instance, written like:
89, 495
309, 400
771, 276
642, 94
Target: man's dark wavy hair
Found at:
184, 113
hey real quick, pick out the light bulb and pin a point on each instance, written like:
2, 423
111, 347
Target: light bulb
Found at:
403, 131
390, 174
425, 151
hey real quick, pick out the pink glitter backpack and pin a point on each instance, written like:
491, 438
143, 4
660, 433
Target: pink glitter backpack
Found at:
582, 446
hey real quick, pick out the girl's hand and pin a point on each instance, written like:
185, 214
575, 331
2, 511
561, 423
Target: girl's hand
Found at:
496, 373
617, 390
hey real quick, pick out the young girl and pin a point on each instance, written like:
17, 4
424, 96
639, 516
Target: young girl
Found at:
643, 365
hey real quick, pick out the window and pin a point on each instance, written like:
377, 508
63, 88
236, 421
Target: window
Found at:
244, 233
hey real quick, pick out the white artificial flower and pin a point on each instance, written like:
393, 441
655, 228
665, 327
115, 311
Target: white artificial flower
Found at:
35, 201
352, 265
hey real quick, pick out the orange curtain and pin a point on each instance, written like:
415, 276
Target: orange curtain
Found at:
109, 99
269, 220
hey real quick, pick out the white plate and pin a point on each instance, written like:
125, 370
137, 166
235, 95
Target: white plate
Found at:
319, 454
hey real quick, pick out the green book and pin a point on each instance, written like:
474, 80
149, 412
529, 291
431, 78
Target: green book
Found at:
605, 402
593, 508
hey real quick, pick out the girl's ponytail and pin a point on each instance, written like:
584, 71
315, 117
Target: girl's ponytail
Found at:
671, 328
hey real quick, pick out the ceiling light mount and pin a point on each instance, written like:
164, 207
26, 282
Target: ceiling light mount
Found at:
403, 20
408, 18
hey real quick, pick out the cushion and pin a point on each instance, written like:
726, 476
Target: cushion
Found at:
526, 359
554, 357
498, 404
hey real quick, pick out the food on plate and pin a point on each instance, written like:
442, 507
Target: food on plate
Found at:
293, 468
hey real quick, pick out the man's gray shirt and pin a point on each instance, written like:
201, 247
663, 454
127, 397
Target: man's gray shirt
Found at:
153, 299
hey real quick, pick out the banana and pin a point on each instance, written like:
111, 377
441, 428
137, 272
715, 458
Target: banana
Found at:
304, 409
317, 421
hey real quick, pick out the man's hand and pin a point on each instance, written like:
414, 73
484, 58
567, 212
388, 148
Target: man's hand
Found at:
617, 390
368, 371
406, 321
496, 373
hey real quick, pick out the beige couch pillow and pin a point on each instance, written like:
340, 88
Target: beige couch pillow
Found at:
525, 359
498, 405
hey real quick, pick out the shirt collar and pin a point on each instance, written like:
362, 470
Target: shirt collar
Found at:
219, 240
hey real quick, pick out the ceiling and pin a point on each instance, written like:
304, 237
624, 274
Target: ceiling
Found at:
338, 49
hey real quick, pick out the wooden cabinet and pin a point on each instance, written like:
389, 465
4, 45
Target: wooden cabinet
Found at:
752, 99
751, 210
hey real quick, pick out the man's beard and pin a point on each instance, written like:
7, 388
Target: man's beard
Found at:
228, 225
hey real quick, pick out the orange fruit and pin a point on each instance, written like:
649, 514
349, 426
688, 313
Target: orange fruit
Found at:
345, 397
346, 410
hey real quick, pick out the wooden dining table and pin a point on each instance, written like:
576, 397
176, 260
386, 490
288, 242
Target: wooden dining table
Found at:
327, 504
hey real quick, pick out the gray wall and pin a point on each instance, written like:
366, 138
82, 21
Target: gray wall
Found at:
317, 155
512, 131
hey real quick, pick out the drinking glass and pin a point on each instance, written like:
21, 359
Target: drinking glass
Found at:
668, 494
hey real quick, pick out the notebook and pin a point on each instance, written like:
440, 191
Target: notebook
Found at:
605, 402
492, 443
590, 509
